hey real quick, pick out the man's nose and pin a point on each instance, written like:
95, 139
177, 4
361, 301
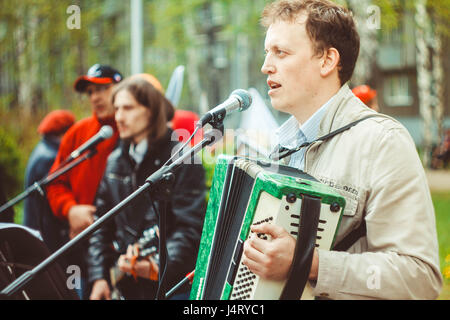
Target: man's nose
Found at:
118, 115
267, 67
95, 96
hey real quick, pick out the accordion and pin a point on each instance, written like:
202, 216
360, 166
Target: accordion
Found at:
246, 192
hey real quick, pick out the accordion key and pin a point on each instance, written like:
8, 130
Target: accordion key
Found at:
245, 192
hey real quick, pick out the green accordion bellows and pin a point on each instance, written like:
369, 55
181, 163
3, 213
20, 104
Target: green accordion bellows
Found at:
246, 192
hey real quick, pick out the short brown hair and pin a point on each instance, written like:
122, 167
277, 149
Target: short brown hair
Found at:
328, 26
147, 95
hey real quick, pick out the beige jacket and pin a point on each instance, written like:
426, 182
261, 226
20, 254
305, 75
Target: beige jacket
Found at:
375, 166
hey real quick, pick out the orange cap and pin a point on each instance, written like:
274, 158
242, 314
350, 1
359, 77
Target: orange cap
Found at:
152, 79
56, 122
365, 93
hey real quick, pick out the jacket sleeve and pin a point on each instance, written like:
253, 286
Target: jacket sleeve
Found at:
400, 256
59, 192
35, 204
100, 253
188, 209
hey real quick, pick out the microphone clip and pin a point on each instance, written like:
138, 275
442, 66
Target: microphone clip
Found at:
217, 124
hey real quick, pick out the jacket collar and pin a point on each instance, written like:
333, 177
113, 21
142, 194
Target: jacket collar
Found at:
51, 141
341, 113
153, 150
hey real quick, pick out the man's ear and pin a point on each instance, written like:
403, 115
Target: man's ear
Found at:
330, 62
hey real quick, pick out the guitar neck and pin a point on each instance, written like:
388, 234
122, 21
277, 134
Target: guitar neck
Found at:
115, 275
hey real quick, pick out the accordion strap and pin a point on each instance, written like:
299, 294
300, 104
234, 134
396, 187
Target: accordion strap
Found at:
352, 238
304, 249
282, 152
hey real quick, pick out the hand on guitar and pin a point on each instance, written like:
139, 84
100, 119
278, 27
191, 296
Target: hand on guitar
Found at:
144, 268
272, 259
100, 290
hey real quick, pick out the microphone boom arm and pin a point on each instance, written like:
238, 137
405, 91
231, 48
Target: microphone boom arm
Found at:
38, 186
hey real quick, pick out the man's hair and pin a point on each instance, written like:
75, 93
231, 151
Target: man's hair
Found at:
328, 25
161, 109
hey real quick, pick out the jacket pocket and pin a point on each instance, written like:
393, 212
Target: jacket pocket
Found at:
351, 194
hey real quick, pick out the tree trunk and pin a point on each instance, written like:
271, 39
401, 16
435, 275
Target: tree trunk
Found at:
438, 88
424, 77
367, 20
193, 65
24, 84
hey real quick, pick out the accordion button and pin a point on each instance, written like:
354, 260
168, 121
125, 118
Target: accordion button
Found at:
335, 207
291, 198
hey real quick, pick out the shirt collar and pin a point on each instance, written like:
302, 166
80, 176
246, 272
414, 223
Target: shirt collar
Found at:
290, 135
138, 151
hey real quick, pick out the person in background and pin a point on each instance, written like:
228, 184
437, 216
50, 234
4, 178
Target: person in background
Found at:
37, 213
71, 196
142, 120
183, 123
150, 79
440, 157
368, 96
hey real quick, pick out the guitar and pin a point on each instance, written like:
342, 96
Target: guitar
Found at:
145, 248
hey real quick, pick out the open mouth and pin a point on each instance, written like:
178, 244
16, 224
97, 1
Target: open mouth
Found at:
273, 85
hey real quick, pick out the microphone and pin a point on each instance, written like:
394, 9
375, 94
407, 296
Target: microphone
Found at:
104, 133
239, 100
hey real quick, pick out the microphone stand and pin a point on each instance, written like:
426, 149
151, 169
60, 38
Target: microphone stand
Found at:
157, 179
38, 186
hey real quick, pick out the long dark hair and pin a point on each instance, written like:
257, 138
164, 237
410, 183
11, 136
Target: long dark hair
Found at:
161, 109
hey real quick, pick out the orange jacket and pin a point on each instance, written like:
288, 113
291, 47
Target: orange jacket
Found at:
79, 185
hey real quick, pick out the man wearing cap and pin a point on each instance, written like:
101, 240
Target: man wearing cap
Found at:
37, 214
71, 196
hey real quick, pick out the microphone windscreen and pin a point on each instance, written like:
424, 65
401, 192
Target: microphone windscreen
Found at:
106, 132
245, 98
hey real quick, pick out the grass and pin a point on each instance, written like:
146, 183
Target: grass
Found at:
441, 202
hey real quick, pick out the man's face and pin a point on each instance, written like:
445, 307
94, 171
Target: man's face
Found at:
133, 119
292, 68
100, 99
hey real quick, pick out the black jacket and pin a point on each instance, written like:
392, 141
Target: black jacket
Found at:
185, 211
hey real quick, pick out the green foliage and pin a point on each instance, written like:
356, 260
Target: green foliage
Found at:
10, 164
209, 158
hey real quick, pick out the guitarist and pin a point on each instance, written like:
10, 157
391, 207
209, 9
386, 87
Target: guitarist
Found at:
141, 114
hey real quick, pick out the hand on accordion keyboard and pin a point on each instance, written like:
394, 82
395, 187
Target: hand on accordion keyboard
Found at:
272, 259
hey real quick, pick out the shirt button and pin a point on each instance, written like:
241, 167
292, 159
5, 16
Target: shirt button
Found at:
157, 162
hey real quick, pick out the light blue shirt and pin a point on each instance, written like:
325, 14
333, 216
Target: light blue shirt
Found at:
137, 152
291, 135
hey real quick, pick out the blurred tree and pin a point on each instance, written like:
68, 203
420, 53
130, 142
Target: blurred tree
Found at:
219, 41
214, 39
11, 177
41, 57
432, 25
